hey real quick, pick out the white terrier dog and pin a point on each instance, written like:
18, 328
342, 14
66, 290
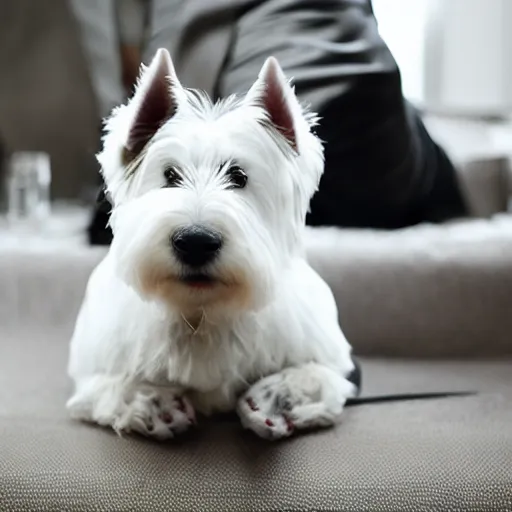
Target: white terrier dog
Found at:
205, 301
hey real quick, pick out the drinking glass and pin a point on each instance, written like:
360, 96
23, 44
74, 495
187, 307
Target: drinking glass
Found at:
28, 189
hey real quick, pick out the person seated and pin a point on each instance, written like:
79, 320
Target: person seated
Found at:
382, 168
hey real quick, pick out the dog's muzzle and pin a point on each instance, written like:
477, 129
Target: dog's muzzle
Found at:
196, 246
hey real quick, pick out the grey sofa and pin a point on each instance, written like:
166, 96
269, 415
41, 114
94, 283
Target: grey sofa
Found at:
427, 309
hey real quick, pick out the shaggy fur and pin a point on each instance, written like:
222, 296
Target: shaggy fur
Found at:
262, 336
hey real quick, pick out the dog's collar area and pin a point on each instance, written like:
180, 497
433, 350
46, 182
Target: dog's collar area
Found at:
196, 323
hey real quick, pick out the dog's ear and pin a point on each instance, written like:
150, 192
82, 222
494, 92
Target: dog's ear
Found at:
273, 92
154, 102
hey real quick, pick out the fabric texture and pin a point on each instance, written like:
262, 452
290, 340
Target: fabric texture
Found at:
447, 454
425, 291
98, 32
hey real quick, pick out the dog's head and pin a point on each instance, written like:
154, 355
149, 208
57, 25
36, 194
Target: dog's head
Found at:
209, 199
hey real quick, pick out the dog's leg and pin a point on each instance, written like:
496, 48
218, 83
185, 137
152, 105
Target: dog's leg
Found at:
153, 411
305, 397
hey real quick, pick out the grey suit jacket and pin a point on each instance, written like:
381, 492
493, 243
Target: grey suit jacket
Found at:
198, 35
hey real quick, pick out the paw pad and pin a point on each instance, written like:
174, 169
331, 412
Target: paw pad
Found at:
166, 417
181, 404
252, 405
160, 417
294, 400
289, 423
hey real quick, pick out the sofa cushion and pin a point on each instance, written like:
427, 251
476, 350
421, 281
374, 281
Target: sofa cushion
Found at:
446, 454
426, 291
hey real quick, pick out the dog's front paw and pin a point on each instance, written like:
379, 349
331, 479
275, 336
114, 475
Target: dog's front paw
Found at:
307, 397
158, 413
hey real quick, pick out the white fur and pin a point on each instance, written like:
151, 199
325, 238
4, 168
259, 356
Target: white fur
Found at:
270, 334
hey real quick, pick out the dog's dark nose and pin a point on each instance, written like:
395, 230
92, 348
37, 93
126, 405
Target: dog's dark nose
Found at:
196, 246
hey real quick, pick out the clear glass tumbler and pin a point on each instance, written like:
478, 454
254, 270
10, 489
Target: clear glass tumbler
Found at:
28, 189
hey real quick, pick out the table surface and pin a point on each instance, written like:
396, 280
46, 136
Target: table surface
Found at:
65, 228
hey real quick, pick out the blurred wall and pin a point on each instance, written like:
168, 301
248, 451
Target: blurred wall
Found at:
469, 57
455, 55
402, 24
46, 100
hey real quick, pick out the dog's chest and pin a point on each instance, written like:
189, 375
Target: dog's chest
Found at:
209, 361
218, 361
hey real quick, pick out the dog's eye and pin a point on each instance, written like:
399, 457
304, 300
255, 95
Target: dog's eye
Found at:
236, 177
172, 177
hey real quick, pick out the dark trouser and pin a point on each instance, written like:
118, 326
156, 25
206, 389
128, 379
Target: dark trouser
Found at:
382, 169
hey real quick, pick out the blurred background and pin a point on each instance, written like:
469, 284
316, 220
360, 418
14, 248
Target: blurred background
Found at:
427, 307
454, 56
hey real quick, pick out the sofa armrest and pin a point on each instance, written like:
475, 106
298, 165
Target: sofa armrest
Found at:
425, 291
481, 160
485, 184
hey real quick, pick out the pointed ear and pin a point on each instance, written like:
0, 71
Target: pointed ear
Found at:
153, 103
272, 92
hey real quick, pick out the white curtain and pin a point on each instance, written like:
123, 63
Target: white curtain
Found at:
455, 55
402, 24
